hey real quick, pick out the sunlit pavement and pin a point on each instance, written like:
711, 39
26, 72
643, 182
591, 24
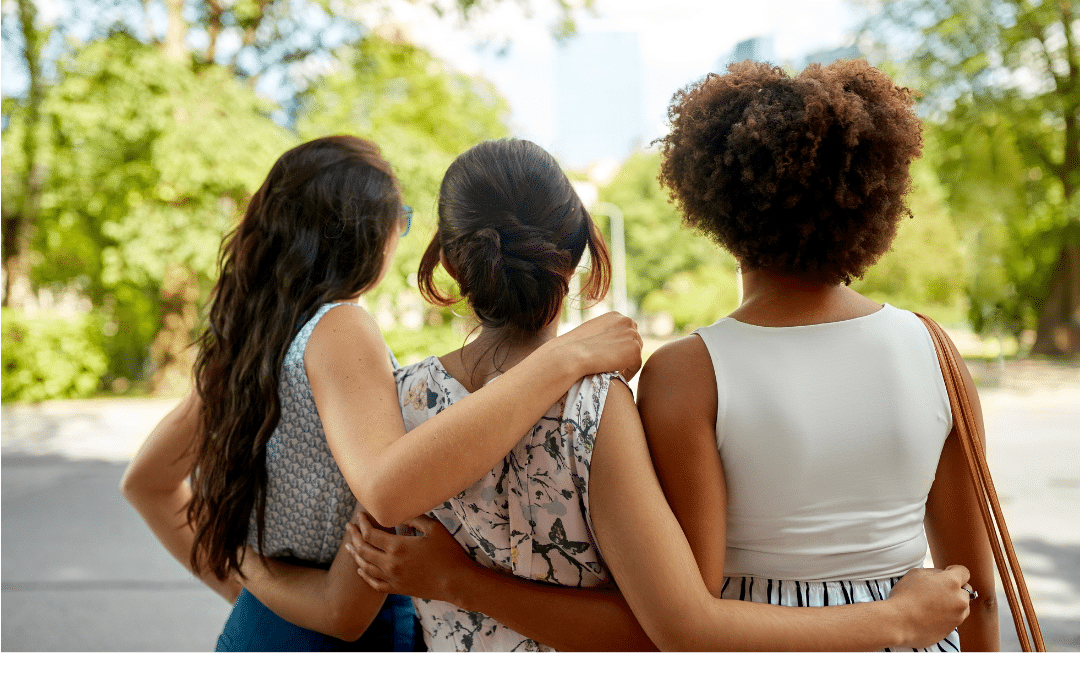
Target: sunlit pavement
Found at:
81, 572
1033, 449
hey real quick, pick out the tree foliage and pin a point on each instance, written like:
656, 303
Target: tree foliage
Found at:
921, 270
147, 164
670, 269
146, 160
51, 355
1002, 86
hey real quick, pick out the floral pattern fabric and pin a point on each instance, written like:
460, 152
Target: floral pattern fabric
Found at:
528, 516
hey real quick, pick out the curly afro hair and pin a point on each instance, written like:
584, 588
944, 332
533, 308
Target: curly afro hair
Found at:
803, 175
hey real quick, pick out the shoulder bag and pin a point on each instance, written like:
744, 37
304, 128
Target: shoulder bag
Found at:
1012, 578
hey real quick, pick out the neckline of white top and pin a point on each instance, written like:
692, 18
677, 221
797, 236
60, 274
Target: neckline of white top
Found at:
824, 325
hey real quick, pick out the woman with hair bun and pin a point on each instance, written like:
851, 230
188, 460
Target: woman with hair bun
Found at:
525, 558
511, 233
294, 415
804, 440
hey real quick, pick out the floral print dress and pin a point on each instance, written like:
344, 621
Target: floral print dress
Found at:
528, 516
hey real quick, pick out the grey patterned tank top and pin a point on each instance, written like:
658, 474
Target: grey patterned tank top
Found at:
308, 501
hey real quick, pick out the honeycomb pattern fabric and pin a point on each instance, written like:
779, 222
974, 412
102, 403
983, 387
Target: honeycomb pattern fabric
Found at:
527, 517
308, 501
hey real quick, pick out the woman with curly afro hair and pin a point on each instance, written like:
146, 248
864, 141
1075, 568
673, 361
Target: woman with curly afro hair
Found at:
804, 440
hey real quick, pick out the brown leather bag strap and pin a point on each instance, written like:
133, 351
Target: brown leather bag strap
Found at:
1012, 577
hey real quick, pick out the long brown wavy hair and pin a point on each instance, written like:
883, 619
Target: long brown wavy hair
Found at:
314, 232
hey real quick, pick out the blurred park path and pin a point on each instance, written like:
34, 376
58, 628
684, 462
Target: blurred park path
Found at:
81, 572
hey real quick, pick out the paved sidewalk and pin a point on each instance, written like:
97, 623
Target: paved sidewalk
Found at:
81, 572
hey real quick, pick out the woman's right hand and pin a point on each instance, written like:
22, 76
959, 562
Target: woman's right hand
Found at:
429, 565
608, 343
932, 603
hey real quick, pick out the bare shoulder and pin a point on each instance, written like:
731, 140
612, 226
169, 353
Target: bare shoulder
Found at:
619, 398
346, 354
965, 374
678, 374
687, 352
619, 433
345, 328
677, 402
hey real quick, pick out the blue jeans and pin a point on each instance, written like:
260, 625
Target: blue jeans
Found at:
252, 627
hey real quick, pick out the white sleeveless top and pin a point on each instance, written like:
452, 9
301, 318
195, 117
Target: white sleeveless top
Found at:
830, 436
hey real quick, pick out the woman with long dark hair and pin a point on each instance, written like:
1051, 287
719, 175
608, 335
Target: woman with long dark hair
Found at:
294, 414
576, 505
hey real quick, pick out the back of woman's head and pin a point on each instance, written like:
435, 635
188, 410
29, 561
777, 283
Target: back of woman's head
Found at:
314, 232
804, 175
318, 225
513, 230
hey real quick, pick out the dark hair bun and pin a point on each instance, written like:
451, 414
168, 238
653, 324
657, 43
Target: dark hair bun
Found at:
513, 230
517, 278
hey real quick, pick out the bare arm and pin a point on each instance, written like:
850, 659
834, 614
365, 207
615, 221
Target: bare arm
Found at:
347, 358
656, 571
335, 602
155, 483
397, 476
434, 566
956, 533
677, 403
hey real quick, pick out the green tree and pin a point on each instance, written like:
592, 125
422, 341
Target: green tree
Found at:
50, 355
19, 223
669, 268
124, 166
922, 268
147, 165
1002, 85
265, 38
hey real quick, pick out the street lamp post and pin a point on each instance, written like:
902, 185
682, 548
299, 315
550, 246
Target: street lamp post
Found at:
618, 254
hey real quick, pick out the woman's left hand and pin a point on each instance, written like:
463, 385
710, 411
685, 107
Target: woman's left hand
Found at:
428, 566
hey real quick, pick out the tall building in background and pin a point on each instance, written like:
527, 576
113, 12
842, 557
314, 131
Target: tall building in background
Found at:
761, 49
600, 111
758, 48
827, 56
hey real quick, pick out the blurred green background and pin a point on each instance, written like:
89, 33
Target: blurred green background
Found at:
131, 152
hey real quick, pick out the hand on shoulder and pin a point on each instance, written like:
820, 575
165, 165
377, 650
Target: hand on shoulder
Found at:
609, 343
